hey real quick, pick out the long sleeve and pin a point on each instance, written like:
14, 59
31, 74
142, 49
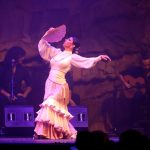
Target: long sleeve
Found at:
83, 62
46, 50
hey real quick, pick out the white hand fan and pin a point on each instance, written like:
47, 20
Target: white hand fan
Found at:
55, 34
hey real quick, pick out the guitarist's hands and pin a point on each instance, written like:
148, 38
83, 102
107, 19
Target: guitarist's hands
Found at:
127, 85
12, 99
132, 85
8, 95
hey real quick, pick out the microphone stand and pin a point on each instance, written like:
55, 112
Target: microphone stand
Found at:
13, 64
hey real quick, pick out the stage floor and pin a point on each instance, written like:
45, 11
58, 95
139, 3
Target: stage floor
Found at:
25, 136
17, 138
30, 140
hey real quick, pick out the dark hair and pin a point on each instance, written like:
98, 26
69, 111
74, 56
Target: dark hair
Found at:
15, 52
77, 44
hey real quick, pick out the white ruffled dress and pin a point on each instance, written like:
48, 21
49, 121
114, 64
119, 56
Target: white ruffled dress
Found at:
53, 119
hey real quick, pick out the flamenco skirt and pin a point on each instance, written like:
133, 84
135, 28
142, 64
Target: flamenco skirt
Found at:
53, 119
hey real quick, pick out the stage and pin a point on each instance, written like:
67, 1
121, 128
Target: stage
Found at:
23, 138
28, 142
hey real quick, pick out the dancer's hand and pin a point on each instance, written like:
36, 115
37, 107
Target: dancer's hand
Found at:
49, 31
104, 58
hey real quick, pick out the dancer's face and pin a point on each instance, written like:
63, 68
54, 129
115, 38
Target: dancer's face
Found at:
68, 43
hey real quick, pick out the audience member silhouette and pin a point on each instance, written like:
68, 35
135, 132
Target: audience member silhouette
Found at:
83, 140
133, 139
100, 140
96, 140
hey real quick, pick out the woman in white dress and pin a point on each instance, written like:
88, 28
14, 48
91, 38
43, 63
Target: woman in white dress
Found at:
53, 118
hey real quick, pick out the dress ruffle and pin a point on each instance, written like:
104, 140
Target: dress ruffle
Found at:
53, 118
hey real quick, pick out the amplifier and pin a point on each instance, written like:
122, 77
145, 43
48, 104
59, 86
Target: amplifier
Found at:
80, 116
19, 116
